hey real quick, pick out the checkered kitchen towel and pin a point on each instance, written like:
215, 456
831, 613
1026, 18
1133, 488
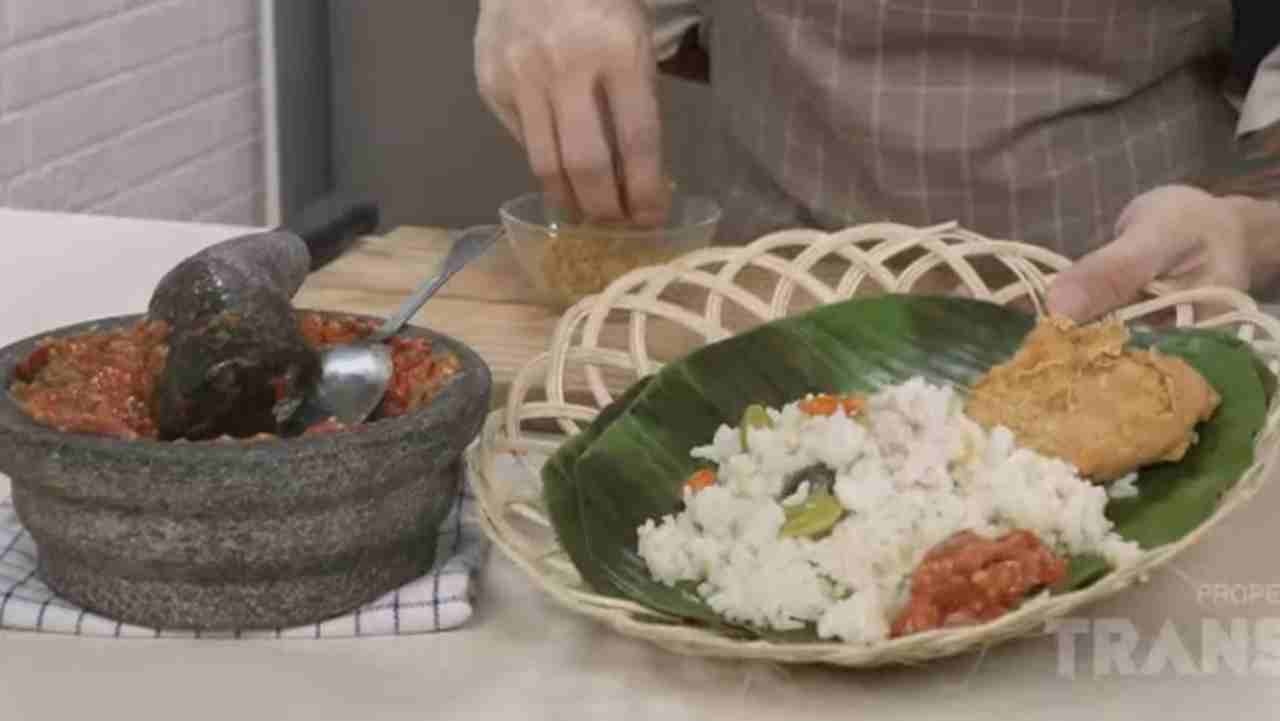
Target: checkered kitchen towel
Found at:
439, 601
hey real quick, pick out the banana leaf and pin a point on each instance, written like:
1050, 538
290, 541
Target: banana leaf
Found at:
630, 464
1174, 498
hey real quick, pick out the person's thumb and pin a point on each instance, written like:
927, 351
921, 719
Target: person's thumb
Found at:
1111, 276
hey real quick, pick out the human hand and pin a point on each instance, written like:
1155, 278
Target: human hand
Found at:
575, 81
1175, 233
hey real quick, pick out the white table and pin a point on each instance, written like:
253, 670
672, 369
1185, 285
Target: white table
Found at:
522, 656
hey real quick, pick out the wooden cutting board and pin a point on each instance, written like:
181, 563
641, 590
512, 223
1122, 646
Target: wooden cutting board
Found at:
490, 305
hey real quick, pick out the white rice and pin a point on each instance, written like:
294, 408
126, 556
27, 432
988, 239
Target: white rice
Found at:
1126, 487
911, 471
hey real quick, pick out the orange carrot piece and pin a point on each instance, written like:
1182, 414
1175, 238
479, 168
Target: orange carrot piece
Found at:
704, 478
853, 404
823, 405
826, 405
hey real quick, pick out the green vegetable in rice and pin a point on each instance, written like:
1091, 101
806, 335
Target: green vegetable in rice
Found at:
814, 516
755, 416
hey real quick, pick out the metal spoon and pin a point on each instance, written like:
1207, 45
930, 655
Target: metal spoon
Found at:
354, 376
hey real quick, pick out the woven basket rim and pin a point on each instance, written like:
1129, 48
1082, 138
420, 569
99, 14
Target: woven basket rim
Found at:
509, 509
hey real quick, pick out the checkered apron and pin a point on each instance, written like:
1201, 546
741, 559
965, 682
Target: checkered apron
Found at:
1034, 120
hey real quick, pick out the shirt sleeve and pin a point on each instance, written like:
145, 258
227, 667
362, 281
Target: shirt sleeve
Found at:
1262, 105
672, 19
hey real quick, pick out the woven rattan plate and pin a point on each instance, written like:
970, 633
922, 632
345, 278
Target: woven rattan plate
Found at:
609, 340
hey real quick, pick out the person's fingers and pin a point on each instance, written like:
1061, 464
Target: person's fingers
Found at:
585, 151
495, 75
1116, 273
541, 66
508, 116
633, 104
538, 134
1105, 279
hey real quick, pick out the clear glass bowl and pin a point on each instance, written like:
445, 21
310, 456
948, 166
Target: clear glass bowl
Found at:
568, 262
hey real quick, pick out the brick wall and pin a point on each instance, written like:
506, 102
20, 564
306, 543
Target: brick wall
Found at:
146, 108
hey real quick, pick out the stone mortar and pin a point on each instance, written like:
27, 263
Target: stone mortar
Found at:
220, 536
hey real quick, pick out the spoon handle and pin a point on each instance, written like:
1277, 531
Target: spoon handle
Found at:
468, 245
